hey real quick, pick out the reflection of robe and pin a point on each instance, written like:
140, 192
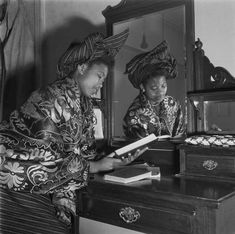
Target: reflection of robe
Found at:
142, 118
44, 149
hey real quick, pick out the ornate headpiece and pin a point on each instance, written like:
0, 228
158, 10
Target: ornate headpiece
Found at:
93, 47
158, 58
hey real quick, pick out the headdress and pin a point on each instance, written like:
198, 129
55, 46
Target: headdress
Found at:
158, 58
93, 47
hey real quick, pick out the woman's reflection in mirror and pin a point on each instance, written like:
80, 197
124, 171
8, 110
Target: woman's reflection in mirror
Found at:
153, 111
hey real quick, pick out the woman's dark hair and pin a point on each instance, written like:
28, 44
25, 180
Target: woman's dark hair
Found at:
106, 60
153, 71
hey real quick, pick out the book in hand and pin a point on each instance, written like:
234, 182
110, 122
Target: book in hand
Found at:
138, 144
134, 173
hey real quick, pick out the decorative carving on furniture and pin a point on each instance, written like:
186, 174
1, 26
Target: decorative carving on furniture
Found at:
129, 215
211, 101
207, 76
210, 165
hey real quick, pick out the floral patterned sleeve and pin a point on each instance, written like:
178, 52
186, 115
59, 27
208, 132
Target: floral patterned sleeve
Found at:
133, 127
88, 142
37, 153
140, 121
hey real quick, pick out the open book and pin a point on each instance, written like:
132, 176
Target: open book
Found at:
139, 143
129, 174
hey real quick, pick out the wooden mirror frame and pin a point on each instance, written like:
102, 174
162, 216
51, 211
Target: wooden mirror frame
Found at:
128, 9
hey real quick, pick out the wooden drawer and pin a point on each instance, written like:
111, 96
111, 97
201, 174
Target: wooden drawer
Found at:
210, 165
134, 216
220, 164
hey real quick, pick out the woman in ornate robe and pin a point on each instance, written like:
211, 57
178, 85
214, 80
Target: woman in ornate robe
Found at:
152, 110
47, 148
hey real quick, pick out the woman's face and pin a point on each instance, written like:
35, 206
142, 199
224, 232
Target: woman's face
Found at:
92, 78
155, 88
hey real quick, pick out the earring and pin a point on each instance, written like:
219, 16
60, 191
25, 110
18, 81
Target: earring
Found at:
142, 89
81, 69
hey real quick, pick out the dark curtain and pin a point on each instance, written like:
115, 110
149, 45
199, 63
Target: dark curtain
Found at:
20, 54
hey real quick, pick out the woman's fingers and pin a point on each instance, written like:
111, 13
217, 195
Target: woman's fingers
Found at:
126, 159
138, 152
130, 158
111, 155
143, 150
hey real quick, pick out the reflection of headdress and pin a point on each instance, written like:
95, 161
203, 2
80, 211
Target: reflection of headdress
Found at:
158, 58
94, 46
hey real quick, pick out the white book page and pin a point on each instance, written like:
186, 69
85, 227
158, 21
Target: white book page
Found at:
139, 143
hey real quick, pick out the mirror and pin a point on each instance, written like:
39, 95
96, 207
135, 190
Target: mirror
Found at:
146, 32
211, 103
149, 22
214, 111
219, 116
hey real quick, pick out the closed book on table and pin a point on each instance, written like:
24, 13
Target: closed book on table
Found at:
128, 174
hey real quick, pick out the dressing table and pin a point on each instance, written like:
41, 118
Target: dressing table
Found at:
184, 200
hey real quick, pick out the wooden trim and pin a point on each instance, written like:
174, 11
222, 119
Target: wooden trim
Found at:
190, 37
128, 9
107, 94
182, 161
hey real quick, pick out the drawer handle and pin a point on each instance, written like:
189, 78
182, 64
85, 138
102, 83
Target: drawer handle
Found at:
209, 165
129, 215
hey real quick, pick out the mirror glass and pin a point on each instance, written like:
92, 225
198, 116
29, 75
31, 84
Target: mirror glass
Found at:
219, 116
146, 32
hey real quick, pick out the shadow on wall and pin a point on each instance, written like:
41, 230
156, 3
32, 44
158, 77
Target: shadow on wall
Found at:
23, 81
18, 87
56, 42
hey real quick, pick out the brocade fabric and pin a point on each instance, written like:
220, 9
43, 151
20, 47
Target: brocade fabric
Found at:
142, 118
46, 144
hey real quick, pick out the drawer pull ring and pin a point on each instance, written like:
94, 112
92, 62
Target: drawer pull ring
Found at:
129, 215
209, 165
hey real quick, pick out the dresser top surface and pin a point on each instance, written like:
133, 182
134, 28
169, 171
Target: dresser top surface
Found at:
191, 188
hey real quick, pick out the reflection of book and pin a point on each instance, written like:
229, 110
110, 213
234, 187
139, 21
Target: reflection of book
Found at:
133, 173
140, 143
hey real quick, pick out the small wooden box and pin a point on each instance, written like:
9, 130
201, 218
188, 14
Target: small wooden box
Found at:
216, 162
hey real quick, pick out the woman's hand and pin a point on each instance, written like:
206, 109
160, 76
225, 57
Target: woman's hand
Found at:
109, 163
